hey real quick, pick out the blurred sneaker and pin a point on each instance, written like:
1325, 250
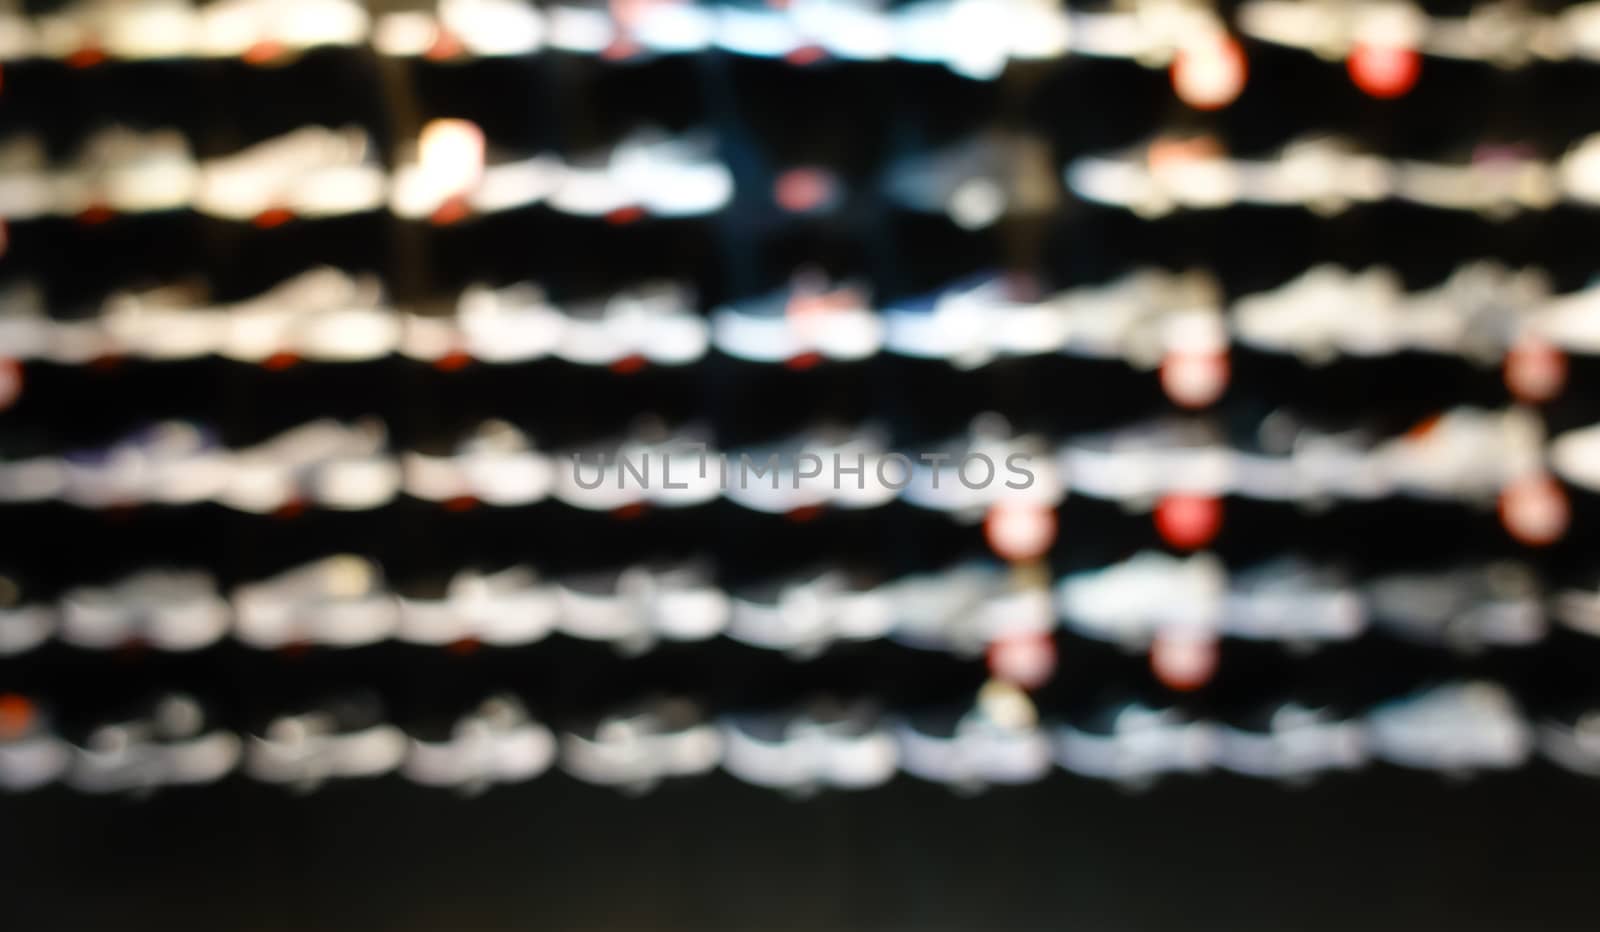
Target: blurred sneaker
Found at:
175, 742
492, 744
1323, 173
170, 463
339, 601
31, 753
1294, 602
1130, 603
26, 331
345, 737
1465, 453
327, 463
663, 176
806, 613
654, 321
1287, 459
972, 38
1291, 742
29, 469
1580, 170
975, 181
621, 31
998, 741
1571, 321
451, 175
1144, 461
313, 171
165, 323
826, 465
1575, 457
651, 463
636, 606
323, 314
1155, 179
965, 608
1325, 313
1456, 728
177, 610
263, 29
1479, 312
1134, 744
1491, 178
129, 171
826, 746
27, 189
1148, 318
25, 623
811, 320
972, 321
1572, 741
508, 607
1498, 604
991, 465
482, 28
132, 30
496, 463
1577, 604
512, 324
642, 745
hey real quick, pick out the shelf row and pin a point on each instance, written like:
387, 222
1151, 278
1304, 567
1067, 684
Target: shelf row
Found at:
1150, 602
976, 180
973, 37
1456, 728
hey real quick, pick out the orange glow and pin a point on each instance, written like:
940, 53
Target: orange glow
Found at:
1535, 511
1026, 660
1184, 662
1020, 531
1535, 371
1210, 73
1384, 71
1189, 522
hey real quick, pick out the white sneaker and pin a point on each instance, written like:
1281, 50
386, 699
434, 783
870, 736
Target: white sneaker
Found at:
309, 172
1465, 454
1295, 743
173, 745
169, 322
323, 314
1134, 744
639, 747
325, 462
27, 188
24, 624
512, 324
1130, 603
1498, 604
1142, 462
973, 321
231, 28
26, 331
1571, 321
813, 319
129, 171
998, 741
1325, 174
1156, 179
493, 744
1455, 728
496, 464
655, 321
170, 610
966, 608
1288, 600
1325, 313
31, 753
664, 176
339, 601
343, 739
805, 614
